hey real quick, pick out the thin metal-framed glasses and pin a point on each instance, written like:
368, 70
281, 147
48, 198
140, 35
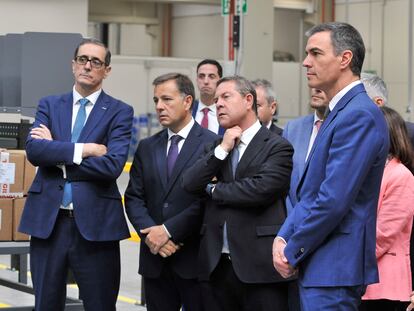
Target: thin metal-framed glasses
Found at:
96, 63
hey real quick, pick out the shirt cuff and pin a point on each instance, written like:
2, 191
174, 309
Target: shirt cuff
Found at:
168, 233
282, 239
77, 154
220, 153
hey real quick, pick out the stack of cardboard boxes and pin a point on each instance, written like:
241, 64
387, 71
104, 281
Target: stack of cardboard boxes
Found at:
16, 176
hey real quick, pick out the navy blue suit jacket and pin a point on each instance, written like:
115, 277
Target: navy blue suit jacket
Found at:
152, 200
194, 112
97, 202
331, 232
298, 133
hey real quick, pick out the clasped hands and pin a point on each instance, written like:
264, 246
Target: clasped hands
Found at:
280, 262
159, 242
89, 149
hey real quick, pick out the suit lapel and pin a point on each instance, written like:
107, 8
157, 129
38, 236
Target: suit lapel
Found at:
190, 146
326, 124
305, 135
252, 150
160, 151
65, 117
98, 111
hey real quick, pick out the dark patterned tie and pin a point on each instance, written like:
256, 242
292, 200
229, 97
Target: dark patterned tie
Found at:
77, 129
172, 153
204, 121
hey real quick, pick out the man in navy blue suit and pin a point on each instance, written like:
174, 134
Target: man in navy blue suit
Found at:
166, 217
74, 209
204, 111
329, 238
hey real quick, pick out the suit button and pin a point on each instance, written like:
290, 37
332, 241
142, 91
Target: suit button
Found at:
165, 205
60, 187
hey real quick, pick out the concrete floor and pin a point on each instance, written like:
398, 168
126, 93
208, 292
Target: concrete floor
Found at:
129, 295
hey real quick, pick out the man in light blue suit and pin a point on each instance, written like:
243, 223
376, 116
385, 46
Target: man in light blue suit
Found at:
301, 133
74, 211
329, 238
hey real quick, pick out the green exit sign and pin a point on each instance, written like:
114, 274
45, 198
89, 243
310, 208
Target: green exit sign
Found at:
241, 6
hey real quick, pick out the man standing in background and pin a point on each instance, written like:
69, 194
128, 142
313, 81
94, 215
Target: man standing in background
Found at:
74, 211
166, 217
266, 104
209, 71
330, 236
301, 133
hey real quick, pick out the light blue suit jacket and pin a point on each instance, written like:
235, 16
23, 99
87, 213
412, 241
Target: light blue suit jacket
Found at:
98, 208
298, 133
330, 233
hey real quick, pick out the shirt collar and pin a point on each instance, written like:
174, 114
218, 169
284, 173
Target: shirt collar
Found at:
341, 94
92, 97
184, 131
316, 118
249, 133
201, 106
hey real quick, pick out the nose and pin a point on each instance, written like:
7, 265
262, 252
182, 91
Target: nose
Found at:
88, 64
306, 62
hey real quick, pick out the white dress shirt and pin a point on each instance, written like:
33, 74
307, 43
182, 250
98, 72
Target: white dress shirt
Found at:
213, 124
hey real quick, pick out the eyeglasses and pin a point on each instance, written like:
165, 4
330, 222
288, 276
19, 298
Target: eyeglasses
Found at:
96, 63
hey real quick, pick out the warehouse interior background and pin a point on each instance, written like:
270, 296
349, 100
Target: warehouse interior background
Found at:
150, 37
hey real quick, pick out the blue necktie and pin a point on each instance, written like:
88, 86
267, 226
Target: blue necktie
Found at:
77, 129
172, 153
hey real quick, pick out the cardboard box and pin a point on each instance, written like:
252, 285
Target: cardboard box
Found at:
16, 173
18, 205
6, 219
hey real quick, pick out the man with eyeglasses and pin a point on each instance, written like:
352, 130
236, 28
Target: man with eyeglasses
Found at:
74, 210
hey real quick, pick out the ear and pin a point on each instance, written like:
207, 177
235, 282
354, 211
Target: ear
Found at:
273, 107
107, 71
249, 101
346, 58
378, 101
187, 102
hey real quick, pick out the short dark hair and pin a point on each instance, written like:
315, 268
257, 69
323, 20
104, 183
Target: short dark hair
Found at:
211, 62
243, 87
84, 41
344, 37
183, 82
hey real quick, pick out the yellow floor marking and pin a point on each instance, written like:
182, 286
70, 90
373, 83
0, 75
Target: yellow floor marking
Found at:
129, 300
4, 305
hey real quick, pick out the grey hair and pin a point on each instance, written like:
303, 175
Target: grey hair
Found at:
344, 37
243, 87
375, 86
267, 87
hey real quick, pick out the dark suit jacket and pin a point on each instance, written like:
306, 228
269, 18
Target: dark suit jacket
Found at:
194, 112
330, 233
151, 200
275, 129
252, 205
97, 202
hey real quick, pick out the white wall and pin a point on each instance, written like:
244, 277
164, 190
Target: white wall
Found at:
287, 31
197, 31
19, 16
384, 28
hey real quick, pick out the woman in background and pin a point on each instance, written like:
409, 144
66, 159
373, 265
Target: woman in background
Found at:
394, 223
